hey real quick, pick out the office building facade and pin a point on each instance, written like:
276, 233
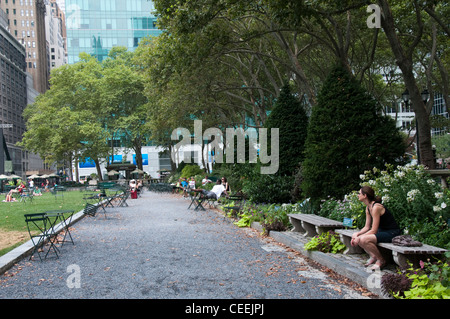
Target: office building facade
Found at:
96, 26
13, 99
26, 22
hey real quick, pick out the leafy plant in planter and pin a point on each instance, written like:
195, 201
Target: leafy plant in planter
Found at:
327, 242
431, 281
276, 218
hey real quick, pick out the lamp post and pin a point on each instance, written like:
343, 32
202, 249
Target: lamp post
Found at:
425, 96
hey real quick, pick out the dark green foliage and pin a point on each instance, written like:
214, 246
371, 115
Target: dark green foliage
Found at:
290, 117
268, 188
346, 136
191, 170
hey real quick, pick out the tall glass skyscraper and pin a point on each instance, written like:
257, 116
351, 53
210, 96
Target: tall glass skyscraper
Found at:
95, 26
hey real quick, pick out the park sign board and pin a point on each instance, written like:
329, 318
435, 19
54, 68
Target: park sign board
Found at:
348, 222
6, 125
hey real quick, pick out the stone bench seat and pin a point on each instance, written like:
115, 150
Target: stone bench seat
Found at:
312, 225
401, 255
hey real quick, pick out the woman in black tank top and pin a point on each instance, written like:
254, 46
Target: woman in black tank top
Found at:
380, 227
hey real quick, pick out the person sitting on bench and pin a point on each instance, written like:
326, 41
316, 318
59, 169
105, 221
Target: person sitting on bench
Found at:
215, 192
380, 227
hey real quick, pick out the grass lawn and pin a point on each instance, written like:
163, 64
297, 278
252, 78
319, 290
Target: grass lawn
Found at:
13, 229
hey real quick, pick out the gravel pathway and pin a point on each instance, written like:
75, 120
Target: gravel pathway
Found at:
157, 248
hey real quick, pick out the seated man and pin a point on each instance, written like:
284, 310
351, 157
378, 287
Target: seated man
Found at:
215, 192
206, 180
37, 192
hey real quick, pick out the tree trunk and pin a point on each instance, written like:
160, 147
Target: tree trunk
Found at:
137, 146
405, 62
99, 171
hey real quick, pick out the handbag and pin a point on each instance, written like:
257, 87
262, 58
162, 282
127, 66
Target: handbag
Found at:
406, 240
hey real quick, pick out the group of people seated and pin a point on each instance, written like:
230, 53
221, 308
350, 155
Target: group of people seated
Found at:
221, 187
19, 190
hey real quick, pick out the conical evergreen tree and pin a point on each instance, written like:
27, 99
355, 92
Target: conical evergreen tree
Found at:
346, 136
290, 117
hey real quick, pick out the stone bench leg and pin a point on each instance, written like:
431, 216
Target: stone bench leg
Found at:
401, 259
297, 225
350, 249
310, 229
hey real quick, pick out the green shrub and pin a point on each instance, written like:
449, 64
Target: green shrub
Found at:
191, 170
263, 188
289, 116
346, 135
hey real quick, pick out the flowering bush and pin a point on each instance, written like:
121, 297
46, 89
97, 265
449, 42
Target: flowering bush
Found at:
417, 201
409, 191
350, 207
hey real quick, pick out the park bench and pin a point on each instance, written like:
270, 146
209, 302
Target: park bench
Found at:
312, 225
401, 255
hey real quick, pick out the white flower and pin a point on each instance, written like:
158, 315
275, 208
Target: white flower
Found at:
443, 205
431, 181
436, 209
362, 177
385, 199
399, 174
412, 195
372, 182
438, 195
